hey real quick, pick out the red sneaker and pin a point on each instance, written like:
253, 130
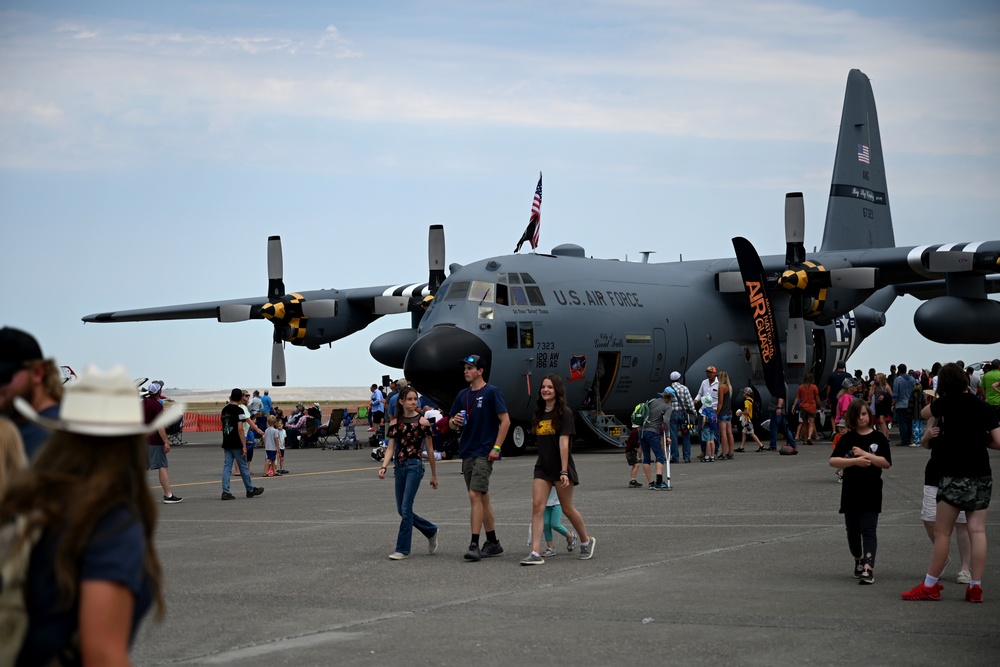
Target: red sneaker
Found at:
974, 594
921, 592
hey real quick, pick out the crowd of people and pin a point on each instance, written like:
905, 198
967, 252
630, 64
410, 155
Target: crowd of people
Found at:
78, 517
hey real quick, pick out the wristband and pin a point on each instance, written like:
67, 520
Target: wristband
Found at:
564, 473
496, 448
383, 468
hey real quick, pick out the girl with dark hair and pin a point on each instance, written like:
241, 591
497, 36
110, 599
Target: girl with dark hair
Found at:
862, 453
964, 427
93, 572
407, 436
553, 427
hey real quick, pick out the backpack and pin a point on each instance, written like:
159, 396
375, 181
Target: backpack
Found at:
640, 414
15, 557
711, 419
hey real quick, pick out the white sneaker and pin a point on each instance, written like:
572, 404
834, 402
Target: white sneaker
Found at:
432, 543
964, 577
396, 555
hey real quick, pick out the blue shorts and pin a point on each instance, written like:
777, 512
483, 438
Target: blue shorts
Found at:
708, 435
272, 455
651, 447
726, 418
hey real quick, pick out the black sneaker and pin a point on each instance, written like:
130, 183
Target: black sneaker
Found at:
257, 490
491, 549
473, 554
633, 484
859, 567
228, 496
170, 500
867, 577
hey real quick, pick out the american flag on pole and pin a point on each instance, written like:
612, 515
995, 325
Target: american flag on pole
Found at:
535, 222
864, 154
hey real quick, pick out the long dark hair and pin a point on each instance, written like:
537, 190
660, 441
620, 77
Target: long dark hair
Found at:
952, 380
74, 481
403, 393
557, 410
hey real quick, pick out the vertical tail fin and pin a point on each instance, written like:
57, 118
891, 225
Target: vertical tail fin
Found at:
857, 215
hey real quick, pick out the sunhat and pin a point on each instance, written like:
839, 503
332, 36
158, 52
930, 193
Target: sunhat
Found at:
101, 404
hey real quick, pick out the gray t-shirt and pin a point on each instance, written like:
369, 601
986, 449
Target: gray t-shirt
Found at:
659, 411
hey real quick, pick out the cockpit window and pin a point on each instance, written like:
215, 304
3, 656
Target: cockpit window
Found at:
526, 278
534, 295
457, 291
519, 297
481, 291
514, 279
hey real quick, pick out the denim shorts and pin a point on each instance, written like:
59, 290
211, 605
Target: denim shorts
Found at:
966, 493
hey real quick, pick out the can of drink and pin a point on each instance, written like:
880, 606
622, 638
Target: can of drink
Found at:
462, 414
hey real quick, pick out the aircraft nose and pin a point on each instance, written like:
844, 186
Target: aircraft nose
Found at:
434, 362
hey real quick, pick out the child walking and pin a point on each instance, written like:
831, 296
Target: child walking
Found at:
746, 421
553, 521
862, 453
271, 437
632, 457
708, 435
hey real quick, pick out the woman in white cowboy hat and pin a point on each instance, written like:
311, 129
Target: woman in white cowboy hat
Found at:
94, 571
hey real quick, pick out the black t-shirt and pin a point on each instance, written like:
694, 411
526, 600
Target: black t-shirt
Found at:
960, 450
232, 422
835, 383
549, 463
862, 487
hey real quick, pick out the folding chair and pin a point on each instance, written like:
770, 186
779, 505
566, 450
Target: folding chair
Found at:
332, 430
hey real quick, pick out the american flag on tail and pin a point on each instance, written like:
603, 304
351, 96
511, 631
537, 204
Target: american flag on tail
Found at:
535, 222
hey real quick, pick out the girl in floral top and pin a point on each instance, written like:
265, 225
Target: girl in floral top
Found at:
407, 436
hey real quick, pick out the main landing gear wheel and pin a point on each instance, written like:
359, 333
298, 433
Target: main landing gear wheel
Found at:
518, 439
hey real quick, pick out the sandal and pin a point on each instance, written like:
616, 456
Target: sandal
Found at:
739, 449
761, 448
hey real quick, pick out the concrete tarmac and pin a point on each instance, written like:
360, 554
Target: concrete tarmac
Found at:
743, 562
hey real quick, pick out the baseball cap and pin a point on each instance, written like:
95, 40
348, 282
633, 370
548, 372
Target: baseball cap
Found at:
710, 369
675, 376
474, 360
669, 390
850, 382
155, 387
841, 424
16, 348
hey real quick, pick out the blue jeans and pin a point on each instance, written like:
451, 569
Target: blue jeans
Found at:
778, 424
676, 419
904, 425
408, 477
227, 468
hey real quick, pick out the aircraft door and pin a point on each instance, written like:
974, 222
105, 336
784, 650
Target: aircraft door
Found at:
659, 355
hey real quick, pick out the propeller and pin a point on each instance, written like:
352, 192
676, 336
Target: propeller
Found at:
287, 312
807, 282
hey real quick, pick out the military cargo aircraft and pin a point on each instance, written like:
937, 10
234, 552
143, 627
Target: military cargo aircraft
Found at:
616, 330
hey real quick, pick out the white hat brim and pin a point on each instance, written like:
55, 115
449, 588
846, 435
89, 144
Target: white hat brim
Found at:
100, 429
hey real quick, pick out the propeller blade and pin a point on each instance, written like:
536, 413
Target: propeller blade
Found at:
320, 308
762, 311
278, 364
950, 261
275, 269
729, 281
795, 343
854, 278
435, 257
238, 312
795, 228
390, 305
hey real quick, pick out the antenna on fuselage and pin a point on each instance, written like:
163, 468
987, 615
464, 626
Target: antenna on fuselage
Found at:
645, 255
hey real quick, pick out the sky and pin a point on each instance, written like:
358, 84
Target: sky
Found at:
147, 151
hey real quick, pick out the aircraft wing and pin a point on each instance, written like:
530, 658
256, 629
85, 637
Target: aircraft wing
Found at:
934, 288
186, 311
